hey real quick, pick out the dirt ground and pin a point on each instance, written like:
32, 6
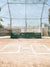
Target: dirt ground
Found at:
24, 52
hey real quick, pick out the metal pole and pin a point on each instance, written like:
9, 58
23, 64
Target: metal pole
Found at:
49, 16
41, 17
10, 18
49, 24
25, 17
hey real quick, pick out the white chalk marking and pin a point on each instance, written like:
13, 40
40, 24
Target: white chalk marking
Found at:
4, 47
33, 49
43, 53
8, 52
19, 49
18, 52
46, 47
37, 45
26, 48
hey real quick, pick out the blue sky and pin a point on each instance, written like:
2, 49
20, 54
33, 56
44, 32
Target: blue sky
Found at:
18, 11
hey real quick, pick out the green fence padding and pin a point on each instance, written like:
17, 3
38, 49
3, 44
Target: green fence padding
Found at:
26, 35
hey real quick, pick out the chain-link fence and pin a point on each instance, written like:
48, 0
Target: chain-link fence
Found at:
25, 18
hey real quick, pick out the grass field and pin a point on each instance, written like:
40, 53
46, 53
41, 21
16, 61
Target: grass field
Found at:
24, 52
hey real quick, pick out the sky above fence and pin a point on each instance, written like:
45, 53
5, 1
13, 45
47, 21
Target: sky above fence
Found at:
22, 12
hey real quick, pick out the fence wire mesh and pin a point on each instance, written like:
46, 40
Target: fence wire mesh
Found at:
25, 15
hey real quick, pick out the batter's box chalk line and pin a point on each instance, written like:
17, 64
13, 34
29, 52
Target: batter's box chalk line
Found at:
18, 51
41, 45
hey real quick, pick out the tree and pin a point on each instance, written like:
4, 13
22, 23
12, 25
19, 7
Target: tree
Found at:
46, 25
0, 8
1, 26
49, 16
49, 23
1, 19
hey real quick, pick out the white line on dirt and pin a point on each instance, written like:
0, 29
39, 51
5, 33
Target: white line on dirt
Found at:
8, 52
17, 53
33, 49
36, 45
46, 47
43, 53
4, 47
35, 41
19, 47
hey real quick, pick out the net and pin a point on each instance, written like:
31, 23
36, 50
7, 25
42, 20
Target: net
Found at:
25, 17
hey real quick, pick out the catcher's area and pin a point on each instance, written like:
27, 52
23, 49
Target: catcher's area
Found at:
24, 52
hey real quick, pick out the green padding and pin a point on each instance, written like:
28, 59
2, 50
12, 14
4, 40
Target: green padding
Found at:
26, 35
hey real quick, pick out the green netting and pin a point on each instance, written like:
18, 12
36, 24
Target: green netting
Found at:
26, 35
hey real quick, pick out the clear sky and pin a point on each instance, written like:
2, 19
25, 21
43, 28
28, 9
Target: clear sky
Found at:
18, 11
